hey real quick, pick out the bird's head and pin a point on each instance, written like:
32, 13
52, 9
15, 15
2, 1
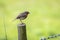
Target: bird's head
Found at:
26, 12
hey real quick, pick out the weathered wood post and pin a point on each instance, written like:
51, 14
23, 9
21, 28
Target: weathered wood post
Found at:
22, 31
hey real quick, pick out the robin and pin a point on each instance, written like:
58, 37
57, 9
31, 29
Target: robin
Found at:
22, 16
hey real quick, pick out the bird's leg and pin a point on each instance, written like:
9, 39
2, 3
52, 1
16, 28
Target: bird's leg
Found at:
21, 21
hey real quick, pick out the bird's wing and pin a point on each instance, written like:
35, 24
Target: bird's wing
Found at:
22, 15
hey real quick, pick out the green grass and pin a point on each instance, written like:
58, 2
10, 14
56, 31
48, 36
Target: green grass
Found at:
43, 20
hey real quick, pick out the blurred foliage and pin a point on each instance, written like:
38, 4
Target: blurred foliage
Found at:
43, 20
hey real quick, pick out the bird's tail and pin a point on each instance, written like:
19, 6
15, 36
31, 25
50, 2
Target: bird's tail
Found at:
20, 20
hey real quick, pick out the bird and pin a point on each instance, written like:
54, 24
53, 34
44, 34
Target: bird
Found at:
22, 16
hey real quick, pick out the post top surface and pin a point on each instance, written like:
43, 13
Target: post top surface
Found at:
22, 24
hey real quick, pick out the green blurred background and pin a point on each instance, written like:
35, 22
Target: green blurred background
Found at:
43, 20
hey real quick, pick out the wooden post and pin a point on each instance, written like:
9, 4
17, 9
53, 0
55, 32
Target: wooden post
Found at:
22, 31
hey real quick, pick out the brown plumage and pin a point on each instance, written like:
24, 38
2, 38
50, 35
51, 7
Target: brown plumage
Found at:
22, 16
